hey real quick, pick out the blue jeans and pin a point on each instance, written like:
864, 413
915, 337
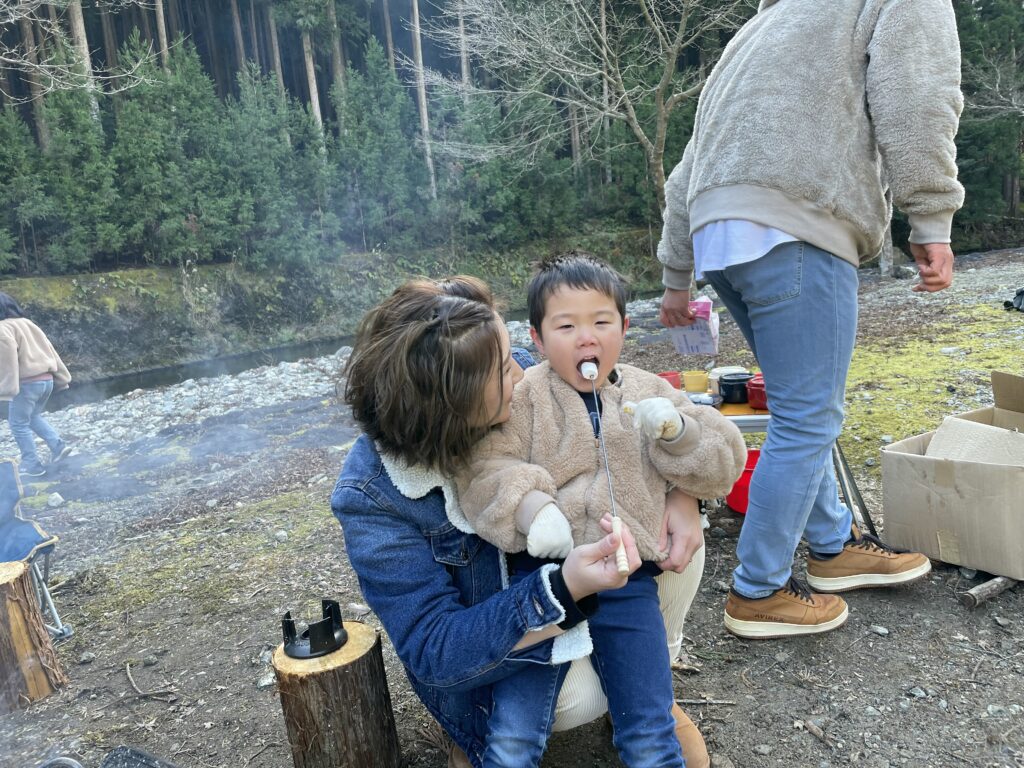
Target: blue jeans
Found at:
630, 658
26, 416
797, 308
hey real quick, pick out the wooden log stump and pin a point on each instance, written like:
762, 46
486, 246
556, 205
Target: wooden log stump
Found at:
29, 669
337, 708
975, 596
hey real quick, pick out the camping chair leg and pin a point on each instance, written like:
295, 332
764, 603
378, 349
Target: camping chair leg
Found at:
850, 491
59, 630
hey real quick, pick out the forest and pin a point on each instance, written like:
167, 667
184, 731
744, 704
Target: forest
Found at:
284, 134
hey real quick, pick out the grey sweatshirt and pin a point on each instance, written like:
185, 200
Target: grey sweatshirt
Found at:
819, 116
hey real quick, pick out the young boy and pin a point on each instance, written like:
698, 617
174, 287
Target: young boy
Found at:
537, 483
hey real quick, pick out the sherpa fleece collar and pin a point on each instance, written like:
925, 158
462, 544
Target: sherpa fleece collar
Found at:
416, 481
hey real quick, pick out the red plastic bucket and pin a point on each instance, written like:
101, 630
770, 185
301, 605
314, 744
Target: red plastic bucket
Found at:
672, 377
739, 496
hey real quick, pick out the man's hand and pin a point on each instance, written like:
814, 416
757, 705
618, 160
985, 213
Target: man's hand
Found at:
550, 535
675, 309
591, 568
681, 532
934, 264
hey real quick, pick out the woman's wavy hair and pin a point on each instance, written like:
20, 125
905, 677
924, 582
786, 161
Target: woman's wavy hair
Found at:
9, 307
419, 368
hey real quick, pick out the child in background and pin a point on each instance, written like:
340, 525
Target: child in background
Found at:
537, 483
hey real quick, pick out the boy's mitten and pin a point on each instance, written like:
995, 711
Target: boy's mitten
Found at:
550, 535
657, 418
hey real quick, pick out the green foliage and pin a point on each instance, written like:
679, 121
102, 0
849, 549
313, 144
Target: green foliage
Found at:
381, 176
23, 201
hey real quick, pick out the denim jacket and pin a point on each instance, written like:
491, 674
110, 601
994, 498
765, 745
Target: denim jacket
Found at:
438, 590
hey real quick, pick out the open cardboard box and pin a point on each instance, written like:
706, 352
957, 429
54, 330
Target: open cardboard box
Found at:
967, 513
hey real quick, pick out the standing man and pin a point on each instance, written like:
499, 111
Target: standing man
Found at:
817, 118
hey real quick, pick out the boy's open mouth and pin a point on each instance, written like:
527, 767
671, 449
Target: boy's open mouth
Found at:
593, 360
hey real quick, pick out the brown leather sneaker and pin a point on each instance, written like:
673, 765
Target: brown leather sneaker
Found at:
694, 749
457, 758
866, 562
792, 610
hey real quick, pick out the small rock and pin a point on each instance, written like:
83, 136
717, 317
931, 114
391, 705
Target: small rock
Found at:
870, 463
762, 749
149, 661
943, 704
872, 712
1001, 621
879, 630
54, 500
281, 536
717, 532
968, 573
266, 656
265, 680
903, 272
949, 350
215, 466
917, 692
1016, 709
996, 710
887, 439
721, 761
721, 586
87, 658
211, 503
355, 610
904, 705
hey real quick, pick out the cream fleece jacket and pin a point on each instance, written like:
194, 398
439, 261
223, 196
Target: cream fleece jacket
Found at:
547, 451
817, 118
26, 352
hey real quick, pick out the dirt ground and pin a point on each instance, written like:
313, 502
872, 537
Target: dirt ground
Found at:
179, 555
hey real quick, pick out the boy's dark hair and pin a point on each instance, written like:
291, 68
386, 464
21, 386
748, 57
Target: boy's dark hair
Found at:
574, 269
9, 307
418, 373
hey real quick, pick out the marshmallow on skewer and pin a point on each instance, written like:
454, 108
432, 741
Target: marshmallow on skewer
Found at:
588, 371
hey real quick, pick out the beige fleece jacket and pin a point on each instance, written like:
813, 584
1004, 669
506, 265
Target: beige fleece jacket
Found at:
816, 119
547, 452
26, 352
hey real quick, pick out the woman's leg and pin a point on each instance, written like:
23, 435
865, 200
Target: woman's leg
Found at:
20, 417
522, 716
631, 658
40, 425
676, 592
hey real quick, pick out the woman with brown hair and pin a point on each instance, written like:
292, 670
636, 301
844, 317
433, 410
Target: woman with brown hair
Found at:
430, 373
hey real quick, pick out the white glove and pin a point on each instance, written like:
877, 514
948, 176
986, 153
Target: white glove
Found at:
550, 534
657, 418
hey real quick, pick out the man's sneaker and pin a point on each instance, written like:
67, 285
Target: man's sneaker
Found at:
792, 610
865, 562
63, 449
31, 469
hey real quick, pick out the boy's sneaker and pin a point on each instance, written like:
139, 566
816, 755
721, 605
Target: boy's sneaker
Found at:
865, 562
31, 469
792, 610
63, 449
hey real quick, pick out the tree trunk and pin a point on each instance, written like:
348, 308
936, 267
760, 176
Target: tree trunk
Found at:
605, 100
388, 38
337, 57
236, 27
656, 160
574, 141
173, 20
81, 43
35, 89
216, 66
421, 96
161, 33
254, 44
275, 50
464, 56
147, 30
314, 92
885, 256
28, 665
109, 39
337, 709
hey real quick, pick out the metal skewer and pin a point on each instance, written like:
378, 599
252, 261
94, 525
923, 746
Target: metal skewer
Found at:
589, 372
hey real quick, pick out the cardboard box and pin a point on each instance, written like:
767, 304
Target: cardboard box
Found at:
963, 512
